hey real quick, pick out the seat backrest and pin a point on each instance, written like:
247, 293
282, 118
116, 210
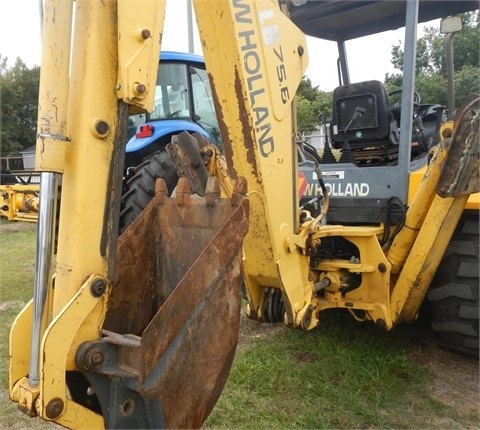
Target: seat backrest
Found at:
361, 115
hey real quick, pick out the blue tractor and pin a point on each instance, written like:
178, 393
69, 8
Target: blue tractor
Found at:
183, 102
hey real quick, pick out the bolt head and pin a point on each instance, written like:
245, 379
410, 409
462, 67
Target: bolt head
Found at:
140, 89
54, 408
145, 33
98, 287
94, 358
101, 128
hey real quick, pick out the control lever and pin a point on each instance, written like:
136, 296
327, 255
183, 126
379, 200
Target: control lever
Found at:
347, 156
359, 111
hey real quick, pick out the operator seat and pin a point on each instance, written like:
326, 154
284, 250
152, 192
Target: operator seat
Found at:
362, 116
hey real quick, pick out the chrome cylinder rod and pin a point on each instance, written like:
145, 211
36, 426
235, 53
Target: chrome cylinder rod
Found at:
44, 254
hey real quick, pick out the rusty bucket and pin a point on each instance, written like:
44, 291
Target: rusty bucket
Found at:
172, 326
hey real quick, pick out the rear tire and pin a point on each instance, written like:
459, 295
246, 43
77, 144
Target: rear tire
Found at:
454, 294
141, 186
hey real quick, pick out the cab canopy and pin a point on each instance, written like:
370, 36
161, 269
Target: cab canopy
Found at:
344, 20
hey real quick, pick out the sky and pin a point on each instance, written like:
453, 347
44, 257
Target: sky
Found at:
368, 58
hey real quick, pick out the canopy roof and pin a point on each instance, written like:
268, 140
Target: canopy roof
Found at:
338, 20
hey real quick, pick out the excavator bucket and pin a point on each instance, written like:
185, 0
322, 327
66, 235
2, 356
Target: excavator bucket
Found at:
171, 330
461, 174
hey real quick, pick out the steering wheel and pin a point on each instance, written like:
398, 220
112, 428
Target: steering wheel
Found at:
397, 106
174, 114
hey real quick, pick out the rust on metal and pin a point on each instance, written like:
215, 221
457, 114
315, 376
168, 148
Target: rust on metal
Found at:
227, 137
246, 126
178, 288
461, 171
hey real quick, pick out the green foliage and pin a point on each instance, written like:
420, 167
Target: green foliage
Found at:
432, 88
431, 54
306, 90
18, 110
467, 80
310, 102
431, 76
306, 115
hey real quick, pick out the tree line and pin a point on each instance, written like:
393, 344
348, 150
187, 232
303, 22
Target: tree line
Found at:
18, 105
19, 84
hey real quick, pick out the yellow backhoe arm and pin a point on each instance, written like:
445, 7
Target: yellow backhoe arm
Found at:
139, 333
254, 79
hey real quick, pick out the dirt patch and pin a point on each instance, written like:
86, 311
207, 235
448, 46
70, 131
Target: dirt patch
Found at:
456, 379
14, 226
250, 329
12, 304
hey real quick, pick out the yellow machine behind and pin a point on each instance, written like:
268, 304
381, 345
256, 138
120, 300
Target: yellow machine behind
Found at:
140, 331
19, 202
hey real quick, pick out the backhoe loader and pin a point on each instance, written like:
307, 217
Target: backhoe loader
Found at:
19, 190
19, 202
140, 331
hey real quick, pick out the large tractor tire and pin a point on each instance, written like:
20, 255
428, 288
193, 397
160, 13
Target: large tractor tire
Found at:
453, 296
141, 186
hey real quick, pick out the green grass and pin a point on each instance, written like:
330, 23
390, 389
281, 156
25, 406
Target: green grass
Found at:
17, 268
17, 257
341, 375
